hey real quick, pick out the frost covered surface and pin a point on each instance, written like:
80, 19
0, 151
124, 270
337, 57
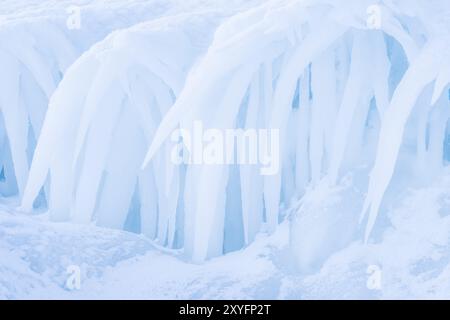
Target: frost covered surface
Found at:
359, 93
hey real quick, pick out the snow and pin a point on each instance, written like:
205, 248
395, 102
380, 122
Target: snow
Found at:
414, 260
354, 94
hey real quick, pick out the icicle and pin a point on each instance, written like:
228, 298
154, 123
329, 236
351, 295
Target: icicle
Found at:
208, 237
121, 171
15, 117
52, 142
438, 125
393, 27
356, 82
302, 167
423, 103
423, 71
443, 79
380, 71
293, 67
149, 203
323, 104
98, 143
251, 181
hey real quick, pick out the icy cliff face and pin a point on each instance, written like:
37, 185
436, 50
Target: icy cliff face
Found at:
353, 88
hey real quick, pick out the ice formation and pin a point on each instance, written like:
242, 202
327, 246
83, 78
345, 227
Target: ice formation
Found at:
353, 87
37, 47
332, 83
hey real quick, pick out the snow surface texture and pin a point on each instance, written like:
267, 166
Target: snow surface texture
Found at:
360, 95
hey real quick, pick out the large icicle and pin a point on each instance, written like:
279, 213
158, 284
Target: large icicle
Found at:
324, 103
423, 71
357, 82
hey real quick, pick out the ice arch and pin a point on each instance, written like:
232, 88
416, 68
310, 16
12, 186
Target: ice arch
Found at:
423, 93
331, 83
31, 69
36, 48
101, 120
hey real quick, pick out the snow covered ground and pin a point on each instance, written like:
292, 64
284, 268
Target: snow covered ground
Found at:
413, 257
